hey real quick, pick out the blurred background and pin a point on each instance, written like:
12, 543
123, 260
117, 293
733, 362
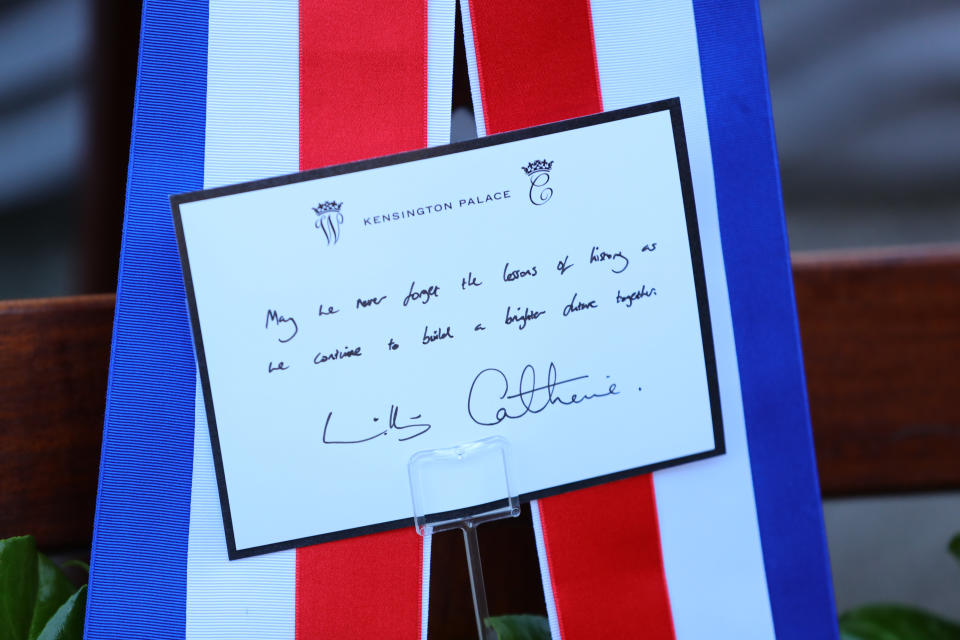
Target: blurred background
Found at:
67, 77
866, 102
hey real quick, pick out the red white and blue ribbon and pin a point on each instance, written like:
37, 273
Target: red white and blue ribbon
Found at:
675, 554
235, 91
290, 87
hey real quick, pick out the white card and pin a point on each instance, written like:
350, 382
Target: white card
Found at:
544, 285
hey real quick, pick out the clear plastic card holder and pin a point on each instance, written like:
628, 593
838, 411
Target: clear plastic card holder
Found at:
476, 473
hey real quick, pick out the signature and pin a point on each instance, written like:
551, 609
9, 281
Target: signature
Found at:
391, 425
529, 397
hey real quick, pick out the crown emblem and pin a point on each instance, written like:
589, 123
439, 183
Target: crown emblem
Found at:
537, 166
329, 219
330, 206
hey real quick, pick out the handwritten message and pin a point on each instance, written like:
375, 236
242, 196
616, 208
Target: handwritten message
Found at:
546, 288
486, 404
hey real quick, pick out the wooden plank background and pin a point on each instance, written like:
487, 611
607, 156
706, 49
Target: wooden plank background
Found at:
881, 339
881, 343
54, 356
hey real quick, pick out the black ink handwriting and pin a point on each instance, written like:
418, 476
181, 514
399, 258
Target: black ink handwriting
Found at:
469, 281
437, 334
529, 396
522, 319
426, 294
391, 424
516, 274
630, 298
366, 302
328, 440
337, 354
279, 320
601, 256
575, 306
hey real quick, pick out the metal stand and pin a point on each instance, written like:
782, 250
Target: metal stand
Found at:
440, 477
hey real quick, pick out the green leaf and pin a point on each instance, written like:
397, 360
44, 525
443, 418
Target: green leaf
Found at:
18, 586
519, 627
67, 622
53, 589
895, 622
954, 546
